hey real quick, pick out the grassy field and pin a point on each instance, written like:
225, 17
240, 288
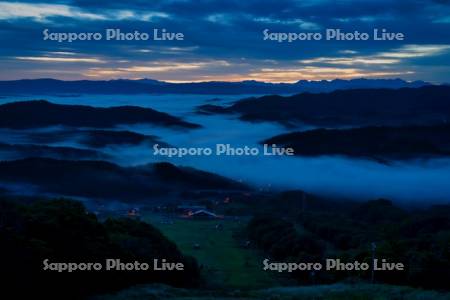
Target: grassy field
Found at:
318, 292
225, 262
235, 273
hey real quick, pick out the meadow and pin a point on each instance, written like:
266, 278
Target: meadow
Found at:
225, 260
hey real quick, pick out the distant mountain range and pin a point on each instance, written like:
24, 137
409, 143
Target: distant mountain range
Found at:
124, 86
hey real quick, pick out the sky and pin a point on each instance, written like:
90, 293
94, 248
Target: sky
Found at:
224, 40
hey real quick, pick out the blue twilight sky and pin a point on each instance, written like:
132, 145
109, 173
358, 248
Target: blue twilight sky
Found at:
223, 40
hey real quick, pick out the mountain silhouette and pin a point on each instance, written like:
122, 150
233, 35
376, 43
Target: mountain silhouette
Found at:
358, 107
125, 86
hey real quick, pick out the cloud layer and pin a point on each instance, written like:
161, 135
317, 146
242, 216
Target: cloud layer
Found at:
225, 42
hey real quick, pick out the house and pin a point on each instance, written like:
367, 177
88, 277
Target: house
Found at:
187, 210
203, 214
134, 213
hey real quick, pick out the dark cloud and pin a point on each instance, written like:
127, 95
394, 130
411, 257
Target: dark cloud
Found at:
227, 31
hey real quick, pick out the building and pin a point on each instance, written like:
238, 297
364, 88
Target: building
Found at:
189, 209
134, 214
202, 214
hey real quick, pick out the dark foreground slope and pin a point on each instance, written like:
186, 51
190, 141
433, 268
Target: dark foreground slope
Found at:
103, 180
374, 142
430, 104
31, 114
417, 238
63, 231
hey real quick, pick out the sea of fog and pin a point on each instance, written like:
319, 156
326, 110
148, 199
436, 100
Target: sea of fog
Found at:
411, 182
